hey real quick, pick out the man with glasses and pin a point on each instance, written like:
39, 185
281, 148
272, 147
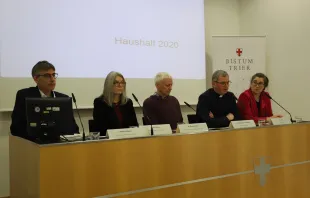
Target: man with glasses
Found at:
217, 106
43, 73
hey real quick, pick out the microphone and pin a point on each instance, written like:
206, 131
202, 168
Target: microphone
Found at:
192, 118
280, 106
136, 99
147, 117
189, 106
77, 110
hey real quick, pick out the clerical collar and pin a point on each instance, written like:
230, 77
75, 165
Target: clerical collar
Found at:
218, 95
45, 96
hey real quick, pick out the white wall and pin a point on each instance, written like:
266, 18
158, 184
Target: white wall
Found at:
287, 27
221, 18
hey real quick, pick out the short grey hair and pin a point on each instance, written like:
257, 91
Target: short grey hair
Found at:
161, 76
41, 66
217, 74
108, 94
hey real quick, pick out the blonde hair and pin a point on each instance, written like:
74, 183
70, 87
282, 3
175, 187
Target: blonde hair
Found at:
108, 94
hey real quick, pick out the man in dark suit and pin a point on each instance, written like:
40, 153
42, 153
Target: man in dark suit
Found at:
43, 73
217, 106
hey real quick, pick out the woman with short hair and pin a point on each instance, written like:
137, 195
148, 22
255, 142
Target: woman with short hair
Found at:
254, 103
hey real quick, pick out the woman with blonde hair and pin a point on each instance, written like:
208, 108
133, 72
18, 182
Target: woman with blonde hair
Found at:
112, 109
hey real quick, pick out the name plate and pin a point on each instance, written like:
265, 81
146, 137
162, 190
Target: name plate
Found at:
242, 124
159, 129
280, 121
127, 133
193, 128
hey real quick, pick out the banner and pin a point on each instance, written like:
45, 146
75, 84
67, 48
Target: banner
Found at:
241, 57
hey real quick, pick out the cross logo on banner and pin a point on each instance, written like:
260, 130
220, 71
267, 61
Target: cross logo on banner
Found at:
239, 51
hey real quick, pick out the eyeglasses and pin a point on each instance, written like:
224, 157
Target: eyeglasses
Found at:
116, 83
224, 83
47, 75
258, 84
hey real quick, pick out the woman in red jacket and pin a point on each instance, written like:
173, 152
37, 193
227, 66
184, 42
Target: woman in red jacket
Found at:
254, 104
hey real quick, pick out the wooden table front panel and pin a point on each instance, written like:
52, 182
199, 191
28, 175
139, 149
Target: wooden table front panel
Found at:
107, 167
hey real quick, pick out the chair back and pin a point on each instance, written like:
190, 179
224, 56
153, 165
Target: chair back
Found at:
91, 126
192, 118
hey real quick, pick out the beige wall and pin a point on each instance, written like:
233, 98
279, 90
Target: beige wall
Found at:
287, 27
221, 18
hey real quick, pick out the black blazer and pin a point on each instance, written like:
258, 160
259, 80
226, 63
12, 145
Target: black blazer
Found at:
210, 101
106, 118
19, 120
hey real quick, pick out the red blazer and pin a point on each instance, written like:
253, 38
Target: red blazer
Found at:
248, 108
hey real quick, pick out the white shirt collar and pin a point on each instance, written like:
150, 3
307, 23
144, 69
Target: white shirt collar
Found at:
45, 96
